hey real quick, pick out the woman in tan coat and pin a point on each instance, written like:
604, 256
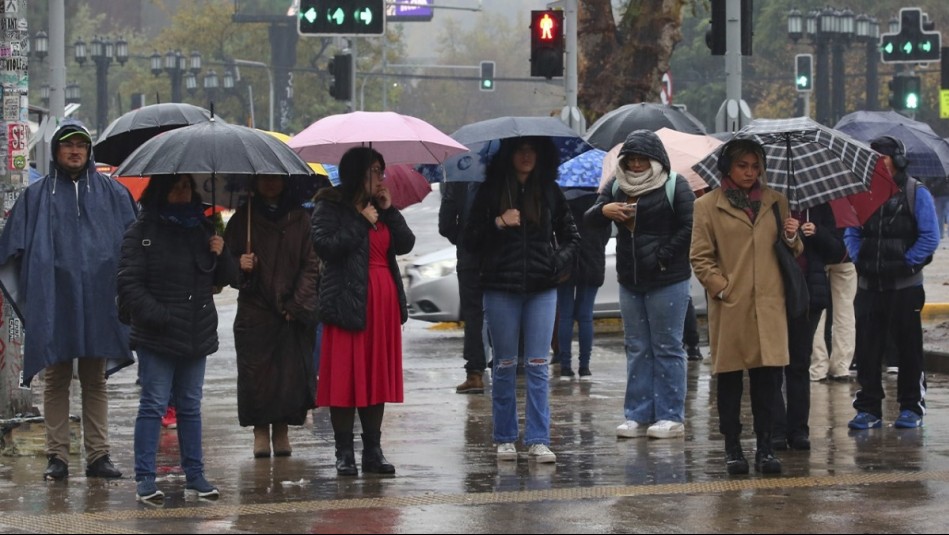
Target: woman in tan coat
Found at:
733, 235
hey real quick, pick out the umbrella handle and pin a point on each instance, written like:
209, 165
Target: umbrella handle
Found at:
249, 199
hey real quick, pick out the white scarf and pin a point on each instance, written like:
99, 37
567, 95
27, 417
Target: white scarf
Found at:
638, 184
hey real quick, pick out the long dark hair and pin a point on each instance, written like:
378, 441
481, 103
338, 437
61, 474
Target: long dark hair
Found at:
353, 174
501, 169
156, 192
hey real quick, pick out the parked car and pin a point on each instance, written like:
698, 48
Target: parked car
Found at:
432, 289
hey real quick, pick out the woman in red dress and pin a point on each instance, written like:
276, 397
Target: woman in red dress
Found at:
357, 233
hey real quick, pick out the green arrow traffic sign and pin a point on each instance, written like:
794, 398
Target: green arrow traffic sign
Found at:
926, 46
364, 16
336, 17
309, 15
907, 48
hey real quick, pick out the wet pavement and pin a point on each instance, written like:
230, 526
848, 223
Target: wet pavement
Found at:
448, 480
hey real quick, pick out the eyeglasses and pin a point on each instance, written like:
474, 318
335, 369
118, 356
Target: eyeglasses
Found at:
73, 145
378, 171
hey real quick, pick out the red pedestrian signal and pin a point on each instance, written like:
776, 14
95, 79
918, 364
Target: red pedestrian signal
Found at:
547, 44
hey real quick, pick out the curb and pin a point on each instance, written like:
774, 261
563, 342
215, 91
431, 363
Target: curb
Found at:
935, 311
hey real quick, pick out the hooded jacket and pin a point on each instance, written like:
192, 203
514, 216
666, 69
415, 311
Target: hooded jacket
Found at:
656, 253
61, 243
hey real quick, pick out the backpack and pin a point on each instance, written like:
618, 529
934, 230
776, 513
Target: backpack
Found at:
670, 189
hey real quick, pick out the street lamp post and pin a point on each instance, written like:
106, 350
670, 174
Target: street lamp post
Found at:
269, 80
868, 31
177, 66
102, 51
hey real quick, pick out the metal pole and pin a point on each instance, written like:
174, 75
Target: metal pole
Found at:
13, 399
102, 93
574, 118
262, 65
822, 82
873, 80
175, 76
839, 96
733, 50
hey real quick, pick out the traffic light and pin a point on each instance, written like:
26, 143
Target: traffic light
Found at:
912, 44
715, 36
911, 92
341, 17
487, 76
547, 43
804, 72
905, 92
341, 71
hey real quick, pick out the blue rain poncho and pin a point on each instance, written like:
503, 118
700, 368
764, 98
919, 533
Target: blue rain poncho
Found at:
62, 241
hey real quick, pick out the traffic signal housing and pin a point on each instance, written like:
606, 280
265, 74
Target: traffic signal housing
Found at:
547, 44
341, 17
341, 73
804, 72
715, 36
913, 43
905, 92
487, 76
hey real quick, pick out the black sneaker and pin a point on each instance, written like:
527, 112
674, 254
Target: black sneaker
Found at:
694, 353
566, 374
585, 374
103, 467
56, 469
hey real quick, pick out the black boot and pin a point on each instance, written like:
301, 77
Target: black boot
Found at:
735, 462
373, 462
345, 456
765, 461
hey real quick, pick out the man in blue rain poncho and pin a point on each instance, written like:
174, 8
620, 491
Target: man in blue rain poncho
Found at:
62, 243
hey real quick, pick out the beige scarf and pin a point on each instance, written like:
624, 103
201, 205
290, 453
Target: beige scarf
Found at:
637, 184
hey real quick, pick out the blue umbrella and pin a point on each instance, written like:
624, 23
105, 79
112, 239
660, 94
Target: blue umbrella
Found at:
928, 154
484, 139
582, 171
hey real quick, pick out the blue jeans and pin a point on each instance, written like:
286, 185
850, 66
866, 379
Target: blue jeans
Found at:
161, 377
507, 315
575, 303
655, 359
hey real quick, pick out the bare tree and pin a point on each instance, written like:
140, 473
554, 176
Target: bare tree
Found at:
620, 63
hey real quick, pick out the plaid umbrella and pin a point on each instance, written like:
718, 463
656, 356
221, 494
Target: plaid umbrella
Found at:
808, 162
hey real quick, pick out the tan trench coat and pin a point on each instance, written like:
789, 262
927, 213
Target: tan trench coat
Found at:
748, 326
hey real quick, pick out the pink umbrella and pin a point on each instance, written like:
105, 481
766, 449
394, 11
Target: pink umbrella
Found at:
400, 138
406, 185
684, 150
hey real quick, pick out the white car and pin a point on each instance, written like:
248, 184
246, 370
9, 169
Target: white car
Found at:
432, 289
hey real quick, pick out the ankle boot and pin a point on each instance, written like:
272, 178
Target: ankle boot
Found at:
735, 462
373, 462
281, 441
261, 441
345, 456
765, 461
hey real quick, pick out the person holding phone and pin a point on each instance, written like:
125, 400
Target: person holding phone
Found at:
357, 233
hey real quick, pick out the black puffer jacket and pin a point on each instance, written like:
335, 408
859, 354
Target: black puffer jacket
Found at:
341, 239
590, 265
528, 258
826, 246
166, 281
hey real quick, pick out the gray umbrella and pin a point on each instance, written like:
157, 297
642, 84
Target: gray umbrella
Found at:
132, 129
613, 127
214, 149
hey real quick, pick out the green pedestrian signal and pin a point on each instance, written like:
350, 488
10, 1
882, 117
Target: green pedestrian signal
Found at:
804, 72
911, 91
913, 43
341, 17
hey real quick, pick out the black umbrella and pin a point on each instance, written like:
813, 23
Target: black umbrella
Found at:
128, 132
221, 157
613, 127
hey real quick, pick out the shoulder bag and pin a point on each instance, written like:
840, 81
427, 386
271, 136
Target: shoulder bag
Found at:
796, 296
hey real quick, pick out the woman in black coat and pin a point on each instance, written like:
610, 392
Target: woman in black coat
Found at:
171, 262
357, 233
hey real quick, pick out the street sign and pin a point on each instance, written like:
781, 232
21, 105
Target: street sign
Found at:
944, 103
912, 44
341, 17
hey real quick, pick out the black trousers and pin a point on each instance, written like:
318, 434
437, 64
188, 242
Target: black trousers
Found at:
763, 382
472, 313
690, 334
790, 420
893, 313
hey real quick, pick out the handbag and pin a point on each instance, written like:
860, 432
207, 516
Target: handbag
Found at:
796, 296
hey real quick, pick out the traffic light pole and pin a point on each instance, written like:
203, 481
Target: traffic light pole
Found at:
734, 113
571, 113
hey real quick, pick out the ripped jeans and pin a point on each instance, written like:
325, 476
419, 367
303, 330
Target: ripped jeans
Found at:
510, 316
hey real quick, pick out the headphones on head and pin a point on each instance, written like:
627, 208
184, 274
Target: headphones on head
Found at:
724, 163
899, 159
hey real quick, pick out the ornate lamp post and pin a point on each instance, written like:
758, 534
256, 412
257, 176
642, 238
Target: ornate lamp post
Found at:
178, 69
868, 31
102, 51
72, 93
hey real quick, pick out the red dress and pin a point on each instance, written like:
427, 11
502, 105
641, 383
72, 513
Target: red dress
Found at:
363, 368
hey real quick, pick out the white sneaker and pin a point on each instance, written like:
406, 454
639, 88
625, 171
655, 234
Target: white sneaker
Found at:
892, 370
630, 429
666, 429
507, 452
541, 453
